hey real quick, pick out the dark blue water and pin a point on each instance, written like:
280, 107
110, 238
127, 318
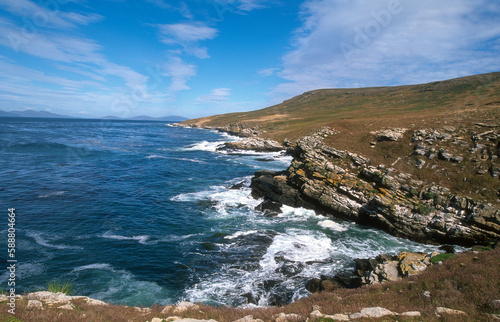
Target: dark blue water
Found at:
143, 213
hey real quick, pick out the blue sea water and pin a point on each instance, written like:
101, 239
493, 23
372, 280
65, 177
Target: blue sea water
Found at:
143, 213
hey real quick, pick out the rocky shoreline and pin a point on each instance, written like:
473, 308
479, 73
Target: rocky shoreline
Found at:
347, 186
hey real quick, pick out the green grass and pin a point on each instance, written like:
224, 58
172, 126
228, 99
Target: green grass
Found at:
58, 286
441, 257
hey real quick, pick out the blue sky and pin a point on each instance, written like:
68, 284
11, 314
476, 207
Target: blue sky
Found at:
203, 57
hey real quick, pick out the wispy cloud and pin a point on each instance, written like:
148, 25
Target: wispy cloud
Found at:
267, 71
188, 35
369, 43
49, 16
216, 95
179, 72
61, 48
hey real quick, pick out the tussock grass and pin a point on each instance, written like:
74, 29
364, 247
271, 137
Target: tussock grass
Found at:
60, 286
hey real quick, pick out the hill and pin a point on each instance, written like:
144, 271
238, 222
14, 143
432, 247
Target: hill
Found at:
32, 113
463, 112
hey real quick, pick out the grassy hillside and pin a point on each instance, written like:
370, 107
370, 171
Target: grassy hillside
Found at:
369, 108
457, 104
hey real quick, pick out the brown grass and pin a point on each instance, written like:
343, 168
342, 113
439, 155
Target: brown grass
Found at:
355, 113
468, 282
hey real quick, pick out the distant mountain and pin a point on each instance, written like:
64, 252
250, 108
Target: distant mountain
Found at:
32, 113
7, 114
43, 114
174, 118
171, 118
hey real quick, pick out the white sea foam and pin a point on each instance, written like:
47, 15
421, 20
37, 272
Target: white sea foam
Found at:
155, 156
44, 242
296, 214
298, 246
94, 266
120, 286
240, 234
141, 239
204, 146
330, 224
197, 196
52, 194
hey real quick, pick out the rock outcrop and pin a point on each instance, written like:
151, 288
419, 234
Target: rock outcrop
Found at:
346, 185
378, 270
253, 144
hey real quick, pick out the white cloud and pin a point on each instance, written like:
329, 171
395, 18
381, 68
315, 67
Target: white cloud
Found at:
37, 16
77, 52
216, 95
370, 43
188, 35
185, 33
267, 71
179, 72
249, 5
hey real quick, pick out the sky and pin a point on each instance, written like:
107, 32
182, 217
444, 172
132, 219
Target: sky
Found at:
194, 58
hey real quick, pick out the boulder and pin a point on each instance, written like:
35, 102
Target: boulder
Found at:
184, 306
446, 311
248, 318
35, 304
372, 312
282, 317
390, 135
411, 263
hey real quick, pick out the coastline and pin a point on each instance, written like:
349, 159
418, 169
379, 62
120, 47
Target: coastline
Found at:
422, 297
61, 304
347, 186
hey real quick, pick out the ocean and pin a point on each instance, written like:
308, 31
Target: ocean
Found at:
142, 213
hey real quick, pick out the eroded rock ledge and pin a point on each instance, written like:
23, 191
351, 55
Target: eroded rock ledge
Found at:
347, 186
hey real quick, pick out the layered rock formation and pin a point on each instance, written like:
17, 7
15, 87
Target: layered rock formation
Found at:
347, 186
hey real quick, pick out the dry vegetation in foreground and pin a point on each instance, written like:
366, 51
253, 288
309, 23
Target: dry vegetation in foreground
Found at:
468, 282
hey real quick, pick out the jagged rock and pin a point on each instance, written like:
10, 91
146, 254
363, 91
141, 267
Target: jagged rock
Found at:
371, 312
443, 310
443, 155
420, 163
329, 180
35, 304
420, 150
412, 263
254, 144
426, 295
390, 135
269, 207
